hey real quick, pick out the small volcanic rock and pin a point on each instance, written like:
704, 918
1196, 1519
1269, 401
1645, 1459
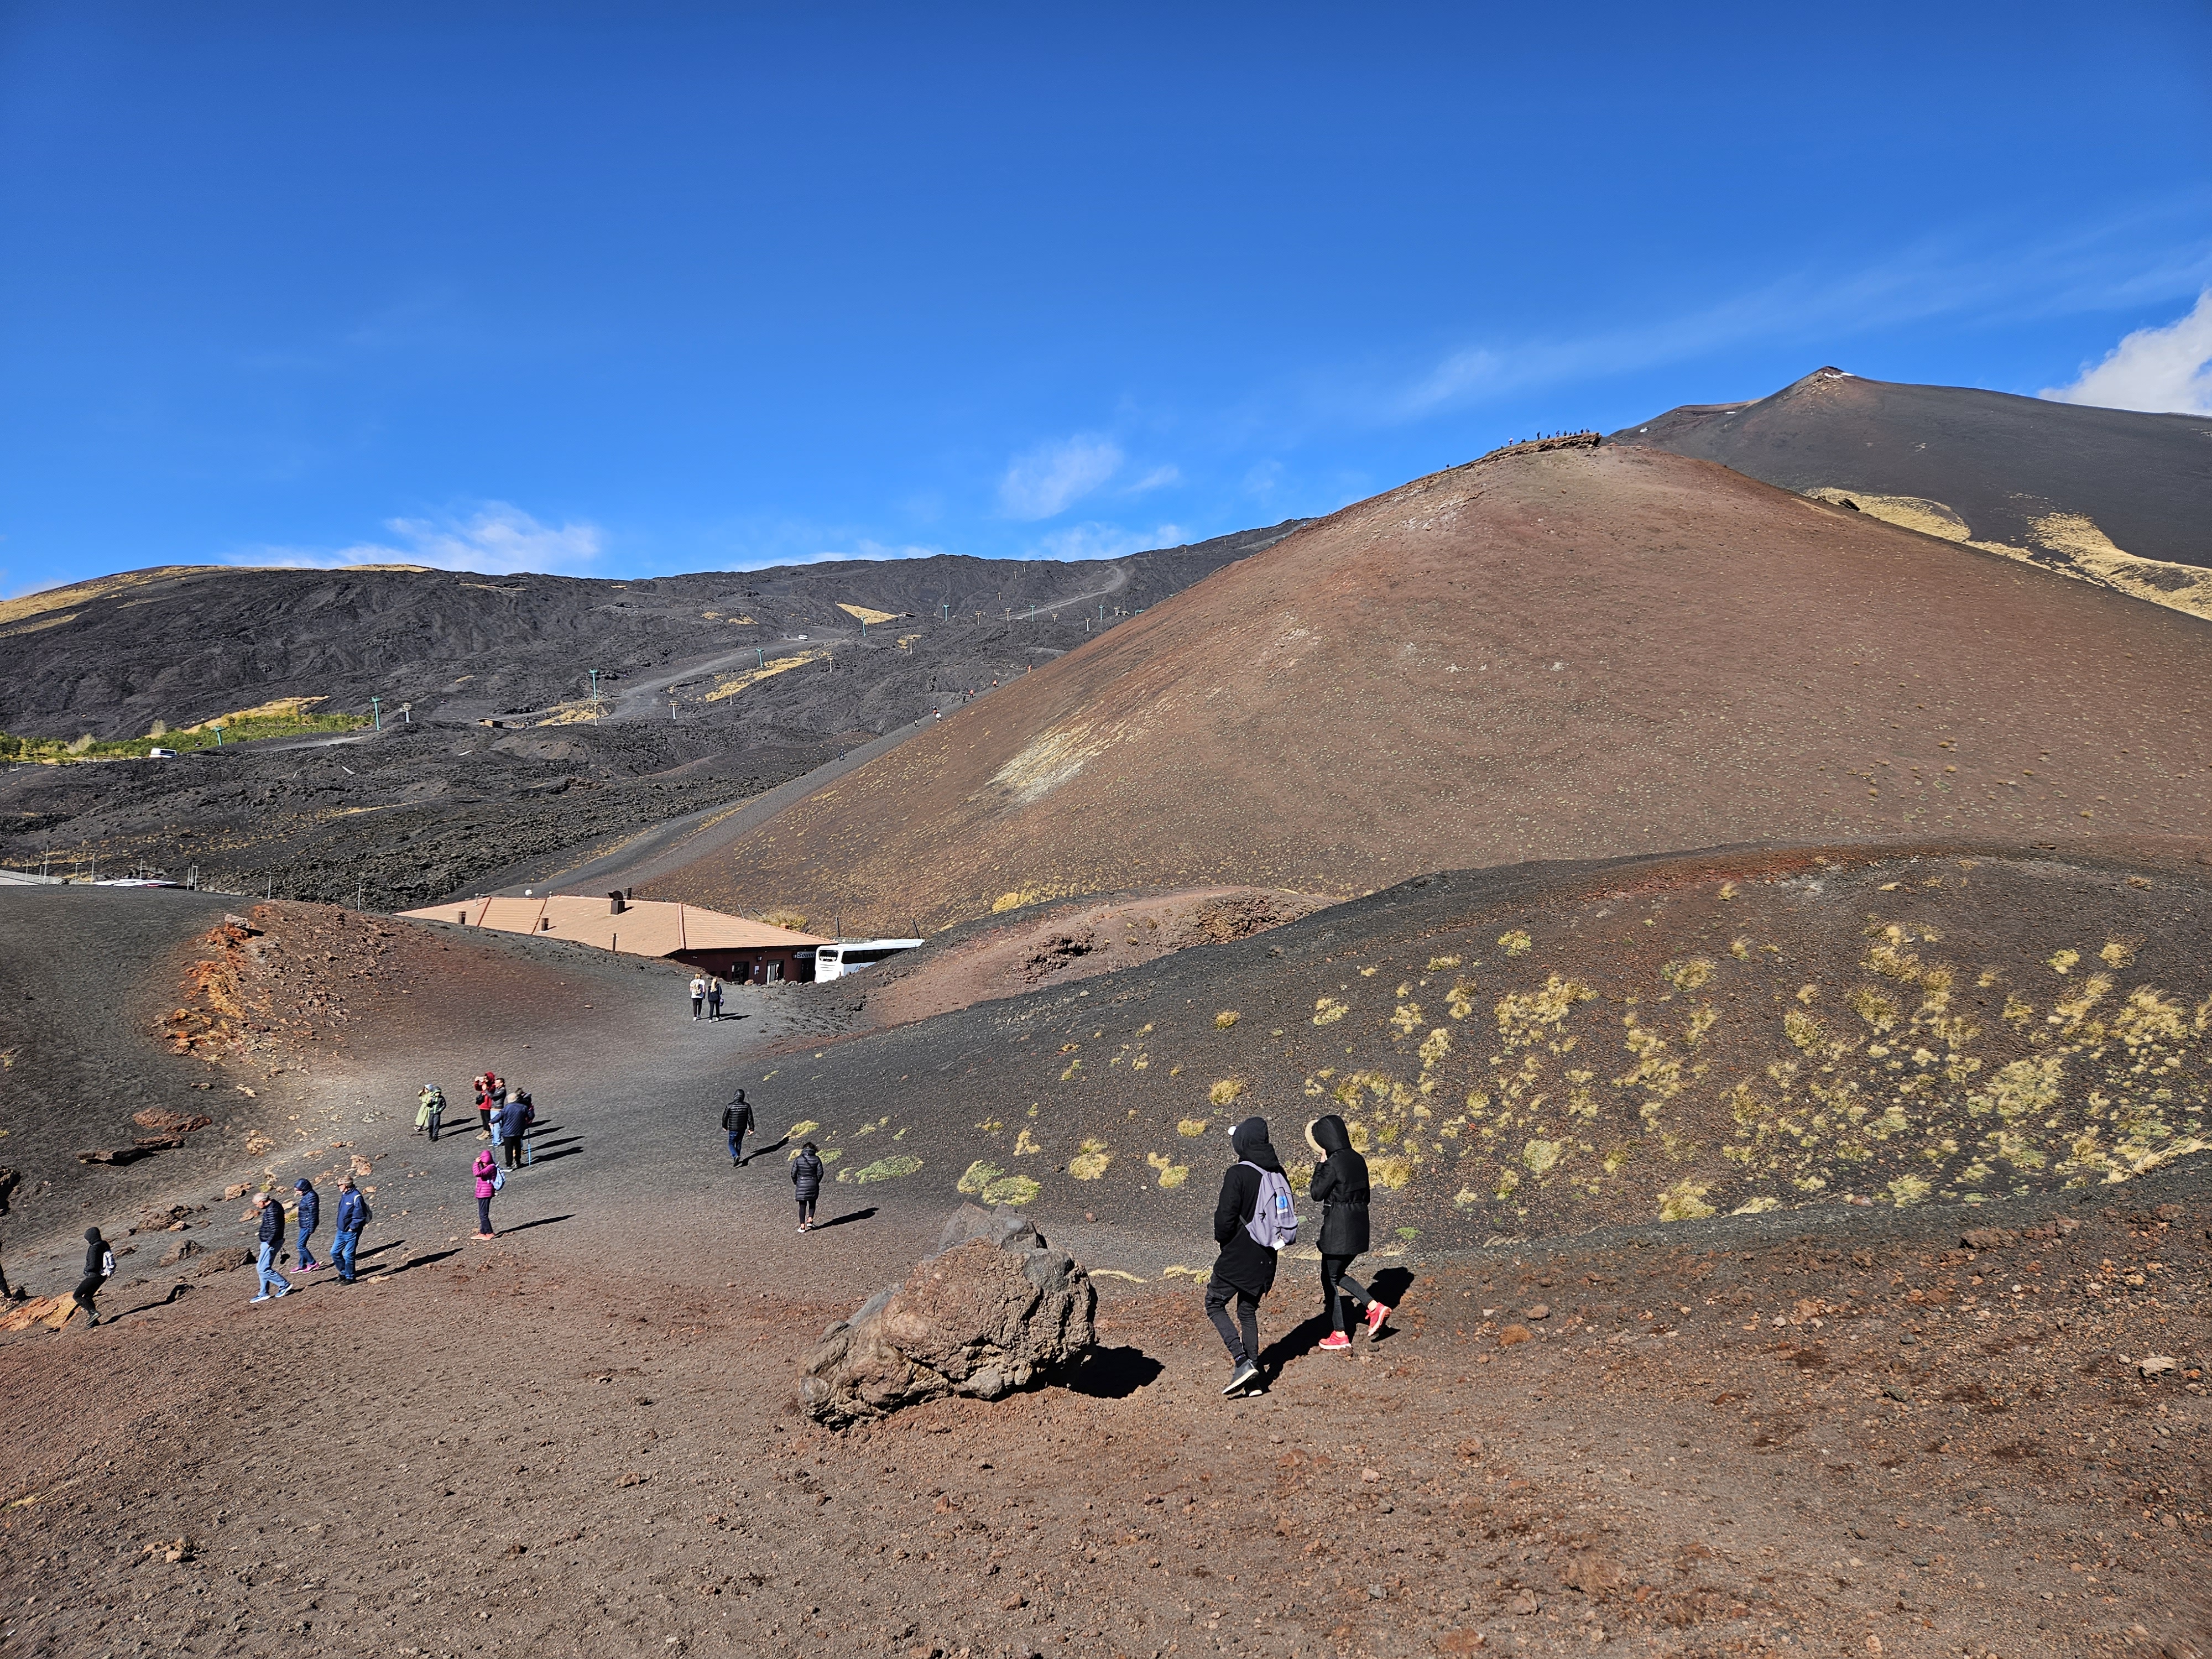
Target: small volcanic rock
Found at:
1513, 1334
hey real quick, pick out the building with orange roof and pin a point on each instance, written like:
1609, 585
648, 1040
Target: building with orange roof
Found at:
714, 943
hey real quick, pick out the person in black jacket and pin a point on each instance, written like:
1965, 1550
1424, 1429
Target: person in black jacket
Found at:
806, 1184
99, 1268
737, 1119
1245, 1269
1340, 1185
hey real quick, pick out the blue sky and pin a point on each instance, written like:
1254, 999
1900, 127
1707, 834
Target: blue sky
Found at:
639, 289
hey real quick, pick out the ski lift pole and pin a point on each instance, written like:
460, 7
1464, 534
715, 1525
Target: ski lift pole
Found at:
376, 712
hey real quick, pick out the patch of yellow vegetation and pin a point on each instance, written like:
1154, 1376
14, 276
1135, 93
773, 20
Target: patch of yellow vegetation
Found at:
1687, 975
978, 1176
61, 599
1025, 1145
1517, 943
1226, 1090
1684, 1201
2116, 953
1328, 1011
1758, 1207
1392, 1172
1192, 1126
863, 613
1439, 964
1014, 1189
280, 709
730, 684
883, 1169
1225, 1019
1091, 1161
2064, 962
1172, 1174
805, 1126
1050, 759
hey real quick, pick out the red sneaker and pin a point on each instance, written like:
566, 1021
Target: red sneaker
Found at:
1376, 1313
1336, 1342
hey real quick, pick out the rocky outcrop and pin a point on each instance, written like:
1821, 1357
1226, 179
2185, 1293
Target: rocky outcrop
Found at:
993, 1310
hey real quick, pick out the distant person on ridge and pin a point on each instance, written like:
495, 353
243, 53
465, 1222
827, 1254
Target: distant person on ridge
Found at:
271, 1239
737, 1119
806, 1184
1252, 1220
99, 1268
310, 1215
353, 1216
714, 998
1340, 1187
698, 995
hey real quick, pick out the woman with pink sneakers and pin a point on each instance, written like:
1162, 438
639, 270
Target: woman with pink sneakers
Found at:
1339, 1186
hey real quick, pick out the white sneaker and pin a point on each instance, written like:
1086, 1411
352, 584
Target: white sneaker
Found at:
264, 1296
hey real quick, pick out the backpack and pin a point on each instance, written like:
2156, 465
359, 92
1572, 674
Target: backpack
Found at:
498, 1180
1275, 1220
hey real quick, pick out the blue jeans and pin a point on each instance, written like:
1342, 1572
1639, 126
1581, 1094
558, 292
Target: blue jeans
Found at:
272, 1282
307, 1254
736, 1145
341, 1248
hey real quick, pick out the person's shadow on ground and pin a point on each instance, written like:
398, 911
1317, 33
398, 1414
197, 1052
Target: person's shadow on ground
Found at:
762, 1152
1114, 1373
850, 1215
542, 1221
1388, 1287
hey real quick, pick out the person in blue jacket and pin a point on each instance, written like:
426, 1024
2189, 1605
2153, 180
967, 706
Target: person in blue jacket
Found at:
270, 1238
309, 1217
353, 1216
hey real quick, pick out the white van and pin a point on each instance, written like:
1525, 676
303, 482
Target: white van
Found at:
849, 955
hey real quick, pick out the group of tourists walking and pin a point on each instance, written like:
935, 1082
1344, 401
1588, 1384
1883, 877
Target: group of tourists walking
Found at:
353, 1214
1255, 1218
706, 995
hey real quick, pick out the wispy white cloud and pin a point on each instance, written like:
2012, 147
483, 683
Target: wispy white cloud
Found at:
1949, 277
1105, 541
1158, 479
2165, 370
496, 539
1052, 477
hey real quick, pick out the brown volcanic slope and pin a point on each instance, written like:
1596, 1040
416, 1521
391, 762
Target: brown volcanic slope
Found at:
2108, 495
1582, 651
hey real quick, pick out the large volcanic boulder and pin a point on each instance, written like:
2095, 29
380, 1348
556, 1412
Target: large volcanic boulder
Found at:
993, 1309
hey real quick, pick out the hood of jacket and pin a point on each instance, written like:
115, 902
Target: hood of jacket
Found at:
1249, 1140
92, 1236
1328, 1134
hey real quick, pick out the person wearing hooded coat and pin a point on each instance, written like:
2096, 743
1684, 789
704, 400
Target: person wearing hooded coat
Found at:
806, 1184
306, 1218
99, 1268
1339, 1186
1245, 1269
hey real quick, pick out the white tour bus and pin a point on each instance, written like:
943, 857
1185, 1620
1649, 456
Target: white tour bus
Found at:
849, 955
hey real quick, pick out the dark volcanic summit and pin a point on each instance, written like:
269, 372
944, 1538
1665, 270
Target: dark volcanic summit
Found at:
185, 643
713, 687
2095, 493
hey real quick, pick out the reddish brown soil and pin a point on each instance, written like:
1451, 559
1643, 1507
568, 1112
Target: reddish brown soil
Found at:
1576, 653
579, 1441
1047, 944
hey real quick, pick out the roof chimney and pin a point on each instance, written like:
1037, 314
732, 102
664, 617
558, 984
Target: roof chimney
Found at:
616, 904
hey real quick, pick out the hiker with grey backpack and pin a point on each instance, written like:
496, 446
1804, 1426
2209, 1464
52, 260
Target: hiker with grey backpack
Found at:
1254, 1218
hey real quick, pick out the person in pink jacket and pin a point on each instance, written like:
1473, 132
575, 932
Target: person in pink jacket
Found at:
488, 1182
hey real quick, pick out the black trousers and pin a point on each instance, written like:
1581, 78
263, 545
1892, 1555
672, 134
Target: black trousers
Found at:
87, 1289
1242, 1344
514, 1151
1336, 1285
